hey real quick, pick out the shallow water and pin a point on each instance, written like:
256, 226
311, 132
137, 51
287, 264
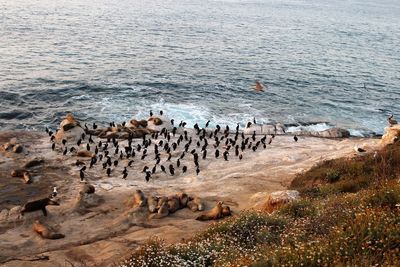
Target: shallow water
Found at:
196, 60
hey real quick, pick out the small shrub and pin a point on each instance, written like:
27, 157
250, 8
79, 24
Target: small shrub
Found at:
298, 209
332, 176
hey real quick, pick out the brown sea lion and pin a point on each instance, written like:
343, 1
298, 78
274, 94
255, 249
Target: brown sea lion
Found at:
162, 212
152, 203
45, 231
214, 214
84, 154
87, 189
27, 178
173, 204
183, 200
156, 121
195, 204
139, 200
18, 172
38, 205
17, 148
226, 211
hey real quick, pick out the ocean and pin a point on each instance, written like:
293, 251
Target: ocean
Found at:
325, 63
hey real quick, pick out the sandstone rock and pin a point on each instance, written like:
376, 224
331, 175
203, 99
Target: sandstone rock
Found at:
253, 128
15, 213
70, 129
268, 129
3, 215
329, 133
392, 135
278, 198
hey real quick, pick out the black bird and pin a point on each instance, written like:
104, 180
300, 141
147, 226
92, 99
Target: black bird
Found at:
53, 146
94, 126
295, 138
82, 175
204, 154
151, 113
87, 147
172, 122
96, 150
153, 171
115, 163
226, 153
216, 153
108, 172
161, 112
83, 136
162, 168
248, 125
100, 157
182, 155
148, 176
207, 123
64, 142
272, 135
254, 120
125, 175
65, 151
104, 165
178, 163
184, 169
47, 130
270, 141
145, 169
169, 157
52, 138
143, 156
240, 157
193, 151
158, 160
197, 171
171, 169
83, 169
130, 163
50, 133
91, 139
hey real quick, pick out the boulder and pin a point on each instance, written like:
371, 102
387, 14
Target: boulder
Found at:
279, 198
329, 133
70, 129
392, 135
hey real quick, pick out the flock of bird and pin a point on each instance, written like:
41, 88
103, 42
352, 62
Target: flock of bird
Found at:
169, 151
177, 150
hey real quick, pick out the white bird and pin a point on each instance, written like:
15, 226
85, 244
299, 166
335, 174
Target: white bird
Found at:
359, 149
392, 121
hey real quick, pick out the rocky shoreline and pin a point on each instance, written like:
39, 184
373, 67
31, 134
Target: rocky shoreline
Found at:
109, 215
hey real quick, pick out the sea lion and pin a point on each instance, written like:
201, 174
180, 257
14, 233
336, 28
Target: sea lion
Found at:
173, 204
87, 189
183, 200
226, 211
156, 121
162, 212
45, 231
84, 154
214, 214
139, 200
69, 122
27, 178
18, 172
152, 202
33, 163
195, 204
38, 205
17, 148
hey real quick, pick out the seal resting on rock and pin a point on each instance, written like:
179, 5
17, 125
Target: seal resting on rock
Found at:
139, 200
216, 213
45, 231
152, 203
38, 205
162, 212
195, 204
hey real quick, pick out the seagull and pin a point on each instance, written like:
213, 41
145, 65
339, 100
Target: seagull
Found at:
54, 194
392, 121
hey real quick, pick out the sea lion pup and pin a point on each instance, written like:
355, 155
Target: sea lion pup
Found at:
45, 231
139, 200
38, 205
173, 204
214, 214
195, 204
226, 211
162, 212
152, 203
27, 178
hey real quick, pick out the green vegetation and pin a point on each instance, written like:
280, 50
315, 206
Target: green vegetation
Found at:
349, 214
